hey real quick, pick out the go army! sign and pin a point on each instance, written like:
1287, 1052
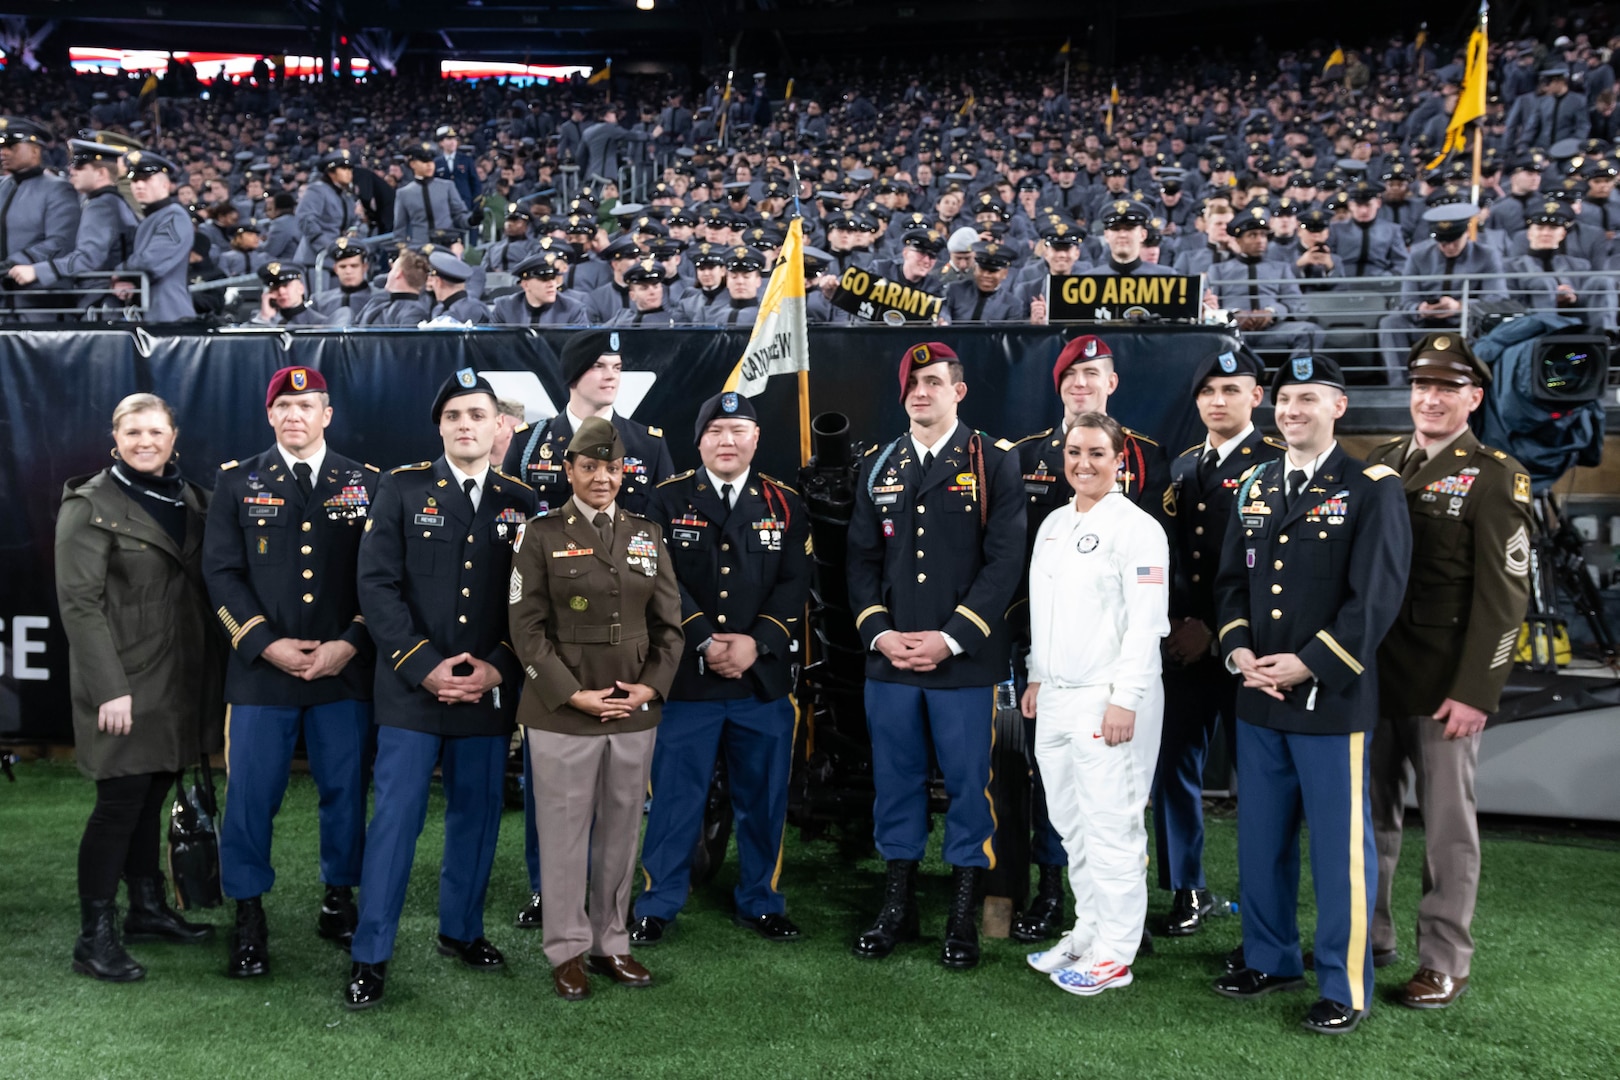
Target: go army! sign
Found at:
876, 299
1115, 298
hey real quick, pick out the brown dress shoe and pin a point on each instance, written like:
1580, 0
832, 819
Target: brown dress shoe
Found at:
622, 969
570, 981
1430, 989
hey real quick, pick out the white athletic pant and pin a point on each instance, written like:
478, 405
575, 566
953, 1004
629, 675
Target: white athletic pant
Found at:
1096, 795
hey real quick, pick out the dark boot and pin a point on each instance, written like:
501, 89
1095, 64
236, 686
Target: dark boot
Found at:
98, 952
1189, 910
897, 921
1044, 918
250, 941
151, 918
961, 949
339, 916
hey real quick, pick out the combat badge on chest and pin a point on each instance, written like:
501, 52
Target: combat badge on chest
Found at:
1454, 489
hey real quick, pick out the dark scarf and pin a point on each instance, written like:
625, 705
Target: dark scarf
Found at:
163, 496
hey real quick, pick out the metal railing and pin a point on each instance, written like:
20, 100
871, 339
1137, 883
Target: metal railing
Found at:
87, 297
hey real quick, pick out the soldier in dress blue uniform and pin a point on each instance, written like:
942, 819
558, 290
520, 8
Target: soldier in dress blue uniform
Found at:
39, 212
455, 167
592, 365
936, 546
162, 245
538, 301
1312, 577
279, 558
1198, 692
740, 541
434, 567
1084, 378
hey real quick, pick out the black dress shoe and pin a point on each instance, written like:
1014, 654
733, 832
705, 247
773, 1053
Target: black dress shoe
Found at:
365, 987
1044, 918
1234, 960
1248, 983
1330, 1018
478, 953
771, 927
647, 930
1187, 912
339, 915
529, 917
250, 941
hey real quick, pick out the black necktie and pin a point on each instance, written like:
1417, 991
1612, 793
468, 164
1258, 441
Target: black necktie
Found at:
1366, 240
427, 200
301, 472
725, 495
1254, 289
1296, 484
604, 529
1207, 465
928, 461
470, 486
1414, 462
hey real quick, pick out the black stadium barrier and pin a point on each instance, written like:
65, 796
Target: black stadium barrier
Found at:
58, 390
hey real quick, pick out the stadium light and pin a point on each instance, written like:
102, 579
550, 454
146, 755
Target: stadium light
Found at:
644, 5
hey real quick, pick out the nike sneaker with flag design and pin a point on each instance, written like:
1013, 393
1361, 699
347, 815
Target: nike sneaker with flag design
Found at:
1057, 958
1093, 978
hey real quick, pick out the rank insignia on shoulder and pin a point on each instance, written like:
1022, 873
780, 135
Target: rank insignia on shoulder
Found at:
229, 465
1004, 444
1521, 487
656, 432
373, 468
1379, 472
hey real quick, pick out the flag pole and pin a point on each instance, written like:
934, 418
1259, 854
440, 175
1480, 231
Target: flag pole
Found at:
804, 376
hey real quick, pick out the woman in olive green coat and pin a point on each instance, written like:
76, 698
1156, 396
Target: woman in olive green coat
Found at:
141, 663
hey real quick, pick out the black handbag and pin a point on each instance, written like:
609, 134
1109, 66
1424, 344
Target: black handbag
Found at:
194, 842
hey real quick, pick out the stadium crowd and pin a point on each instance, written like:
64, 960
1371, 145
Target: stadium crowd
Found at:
394, 201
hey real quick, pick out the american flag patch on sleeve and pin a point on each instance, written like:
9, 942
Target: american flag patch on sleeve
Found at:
1150, 575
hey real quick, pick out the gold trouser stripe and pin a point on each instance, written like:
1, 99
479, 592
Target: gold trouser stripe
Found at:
990, 841
1339, 651
778, 622
781, 843
984, 627
227, 740
690, 617
1233, 625
862, 617
236, 639
1355, 957
408, 655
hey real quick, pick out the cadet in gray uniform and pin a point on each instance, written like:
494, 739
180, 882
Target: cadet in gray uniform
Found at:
1366, 245
106, 226
1436, 270
447, 279
538, 302
326, 209
1261, 306
39, 213
427, 204
162, 241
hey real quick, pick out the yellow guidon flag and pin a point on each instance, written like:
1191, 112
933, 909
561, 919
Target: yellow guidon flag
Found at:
780, 343
601, 74
1335, 59
1471, 100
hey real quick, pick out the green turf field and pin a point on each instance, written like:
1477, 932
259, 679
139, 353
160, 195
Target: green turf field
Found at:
727, 1004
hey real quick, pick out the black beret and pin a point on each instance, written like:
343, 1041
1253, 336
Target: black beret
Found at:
465, 381
1308, 369
728, 405
583, 350
1231, 362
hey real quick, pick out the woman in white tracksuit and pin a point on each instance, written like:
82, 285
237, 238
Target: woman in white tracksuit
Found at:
1098, 607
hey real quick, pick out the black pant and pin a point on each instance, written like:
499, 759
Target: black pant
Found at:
121, 837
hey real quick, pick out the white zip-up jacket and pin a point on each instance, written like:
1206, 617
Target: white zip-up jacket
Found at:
1099, 599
